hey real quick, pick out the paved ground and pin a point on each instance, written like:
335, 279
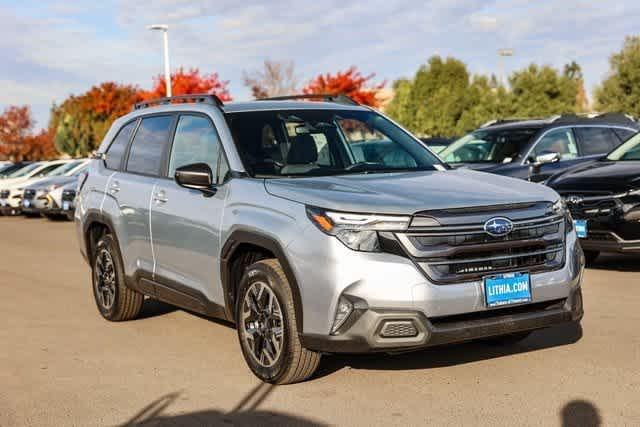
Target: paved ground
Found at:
61, 364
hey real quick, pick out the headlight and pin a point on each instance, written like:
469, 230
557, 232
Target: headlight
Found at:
560, 208
357, 231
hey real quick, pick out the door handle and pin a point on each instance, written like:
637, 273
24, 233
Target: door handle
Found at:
114, 188
160, 197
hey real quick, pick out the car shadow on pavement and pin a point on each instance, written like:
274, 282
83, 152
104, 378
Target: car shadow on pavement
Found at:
617, 262
580, 413
454, 354
153, 308
245, 413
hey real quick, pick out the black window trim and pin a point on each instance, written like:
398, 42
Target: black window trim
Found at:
221, 150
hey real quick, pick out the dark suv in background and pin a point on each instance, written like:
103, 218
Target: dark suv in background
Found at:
537, 149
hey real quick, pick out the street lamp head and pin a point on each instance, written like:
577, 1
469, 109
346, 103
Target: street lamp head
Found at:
505, 52
159, 27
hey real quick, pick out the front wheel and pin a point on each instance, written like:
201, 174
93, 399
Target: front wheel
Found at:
266, 323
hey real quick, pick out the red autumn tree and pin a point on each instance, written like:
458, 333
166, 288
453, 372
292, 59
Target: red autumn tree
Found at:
17, 141
80, 123
350, 82
190, 82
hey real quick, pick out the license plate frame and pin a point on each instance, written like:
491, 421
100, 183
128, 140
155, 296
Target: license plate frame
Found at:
582, 228
507, 289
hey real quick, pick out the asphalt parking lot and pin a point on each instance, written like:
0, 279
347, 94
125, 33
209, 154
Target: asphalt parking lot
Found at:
61, 364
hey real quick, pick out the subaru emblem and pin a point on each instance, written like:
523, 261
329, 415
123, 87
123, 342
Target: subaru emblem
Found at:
498, 227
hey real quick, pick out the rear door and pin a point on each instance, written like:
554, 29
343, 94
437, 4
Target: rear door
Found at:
596, 141
185, 224
132, 189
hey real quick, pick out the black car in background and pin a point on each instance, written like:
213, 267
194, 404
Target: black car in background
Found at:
537, 149
604, 199
437, 144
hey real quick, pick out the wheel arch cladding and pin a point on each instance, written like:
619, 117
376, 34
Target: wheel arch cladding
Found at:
260, 246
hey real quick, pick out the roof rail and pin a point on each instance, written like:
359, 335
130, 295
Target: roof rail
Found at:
503, 121
339, 99
204, 98
611, 117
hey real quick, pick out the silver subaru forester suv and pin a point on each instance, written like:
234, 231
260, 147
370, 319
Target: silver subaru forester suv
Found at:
318, 226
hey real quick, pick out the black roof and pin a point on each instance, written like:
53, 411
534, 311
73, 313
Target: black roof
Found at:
610, 119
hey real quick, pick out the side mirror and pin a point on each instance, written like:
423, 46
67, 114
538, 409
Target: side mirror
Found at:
196, 176
547, 157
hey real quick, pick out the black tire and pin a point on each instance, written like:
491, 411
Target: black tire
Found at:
510, 339
294, 363
125, 303
32, 215
590, 257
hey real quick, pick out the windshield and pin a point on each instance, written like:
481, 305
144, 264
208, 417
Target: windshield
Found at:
65, 168
489, 146
630, 150
24, 171
325, 142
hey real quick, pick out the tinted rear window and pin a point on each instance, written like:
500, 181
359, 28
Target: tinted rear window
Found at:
596, 140
152, 136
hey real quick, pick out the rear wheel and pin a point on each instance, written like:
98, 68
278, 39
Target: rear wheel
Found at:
115, 301
591, 256
266, 323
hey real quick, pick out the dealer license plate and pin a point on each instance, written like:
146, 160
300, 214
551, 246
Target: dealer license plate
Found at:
581, 228
507, 289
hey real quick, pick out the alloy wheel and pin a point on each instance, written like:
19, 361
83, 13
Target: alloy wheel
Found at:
262, 324
105, 279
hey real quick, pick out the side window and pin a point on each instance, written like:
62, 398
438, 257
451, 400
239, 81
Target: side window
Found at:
196, 141
119, 146
559, 141
148, 145
623, 134
596, 140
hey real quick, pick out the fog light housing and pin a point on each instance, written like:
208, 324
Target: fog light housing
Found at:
343, 311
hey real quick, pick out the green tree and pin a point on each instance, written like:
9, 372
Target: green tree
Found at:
620, 91
443, 100
542, 91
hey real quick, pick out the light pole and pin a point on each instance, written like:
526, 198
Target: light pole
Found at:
167, 68
501, 54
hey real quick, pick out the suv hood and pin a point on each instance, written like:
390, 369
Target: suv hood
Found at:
605, 176
408, 193
59, 180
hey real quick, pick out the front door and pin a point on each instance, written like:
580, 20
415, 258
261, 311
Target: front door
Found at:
185, 224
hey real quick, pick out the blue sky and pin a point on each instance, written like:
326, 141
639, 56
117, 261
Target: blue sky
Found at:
49, 50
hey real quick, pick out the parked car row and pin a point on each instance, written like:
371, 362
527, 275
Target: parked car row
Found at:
40, 188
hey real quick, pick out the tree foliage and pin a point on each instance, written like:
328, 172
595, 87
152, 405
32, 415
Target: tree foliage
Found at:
186, 82
17, 140
620, 91
81, 122
350, 82
542, 91
275, 79
443, 99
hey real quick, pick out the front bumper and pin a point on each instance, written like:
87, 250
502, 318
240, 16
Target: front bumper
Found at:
610, 242
365, 334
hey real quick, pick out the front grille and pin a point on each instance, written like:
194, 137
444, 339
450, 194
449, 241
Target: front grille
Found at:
4, 194
29, 194
593, 205
453, 254
68, 195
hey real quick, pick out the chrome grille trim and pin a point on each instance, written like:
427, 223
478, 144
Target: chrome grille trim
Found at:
458, 253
